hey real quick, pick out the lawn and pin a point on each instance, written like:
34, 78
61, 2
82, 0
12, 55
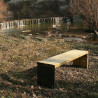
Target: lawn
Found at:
18, 76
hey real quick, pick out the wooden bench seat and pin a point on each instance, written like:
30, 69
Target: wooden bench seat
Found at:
46, 68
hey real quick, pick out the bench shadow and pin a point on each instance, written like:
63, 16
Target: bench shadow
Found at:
77, 88
12, 80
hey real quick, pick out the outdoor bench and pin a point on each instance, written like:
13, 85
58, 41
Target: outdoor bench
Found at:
46, 68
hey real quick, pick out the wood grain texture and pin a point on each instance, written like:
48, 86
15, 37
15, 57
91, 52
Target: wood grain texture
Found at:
63, 58
82, 61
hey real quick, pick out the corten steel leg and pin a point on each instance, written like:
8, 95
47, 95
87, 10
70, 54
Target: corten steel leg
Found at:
45, 75
82, 61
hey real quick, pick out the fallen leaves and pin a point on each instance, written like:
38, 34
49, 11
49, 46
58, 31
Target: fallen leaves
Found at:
17, 61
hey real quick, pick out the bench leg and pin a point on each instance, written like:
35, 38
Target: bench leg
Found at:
82, 61
45, 75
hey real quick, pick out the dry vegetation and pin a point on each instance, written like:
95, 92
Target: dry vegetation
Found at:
18, 57
3, 9
87, 8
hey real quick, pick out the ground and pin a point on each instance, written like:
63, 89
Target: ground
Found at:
18, 68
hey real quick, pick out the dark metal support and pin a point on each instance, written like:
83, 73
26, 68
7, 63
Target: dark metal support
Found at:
45, 75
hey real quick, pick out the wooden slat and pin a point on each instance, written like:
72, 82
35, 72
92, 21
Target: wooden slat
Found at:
64, 57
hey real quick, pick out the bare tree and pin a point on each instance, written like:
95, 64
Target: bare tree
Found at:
3, 10
87, 8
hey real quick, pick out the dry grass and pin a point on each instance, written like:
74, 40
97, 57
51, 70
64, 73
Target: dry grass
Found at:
18, 57
23, 51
